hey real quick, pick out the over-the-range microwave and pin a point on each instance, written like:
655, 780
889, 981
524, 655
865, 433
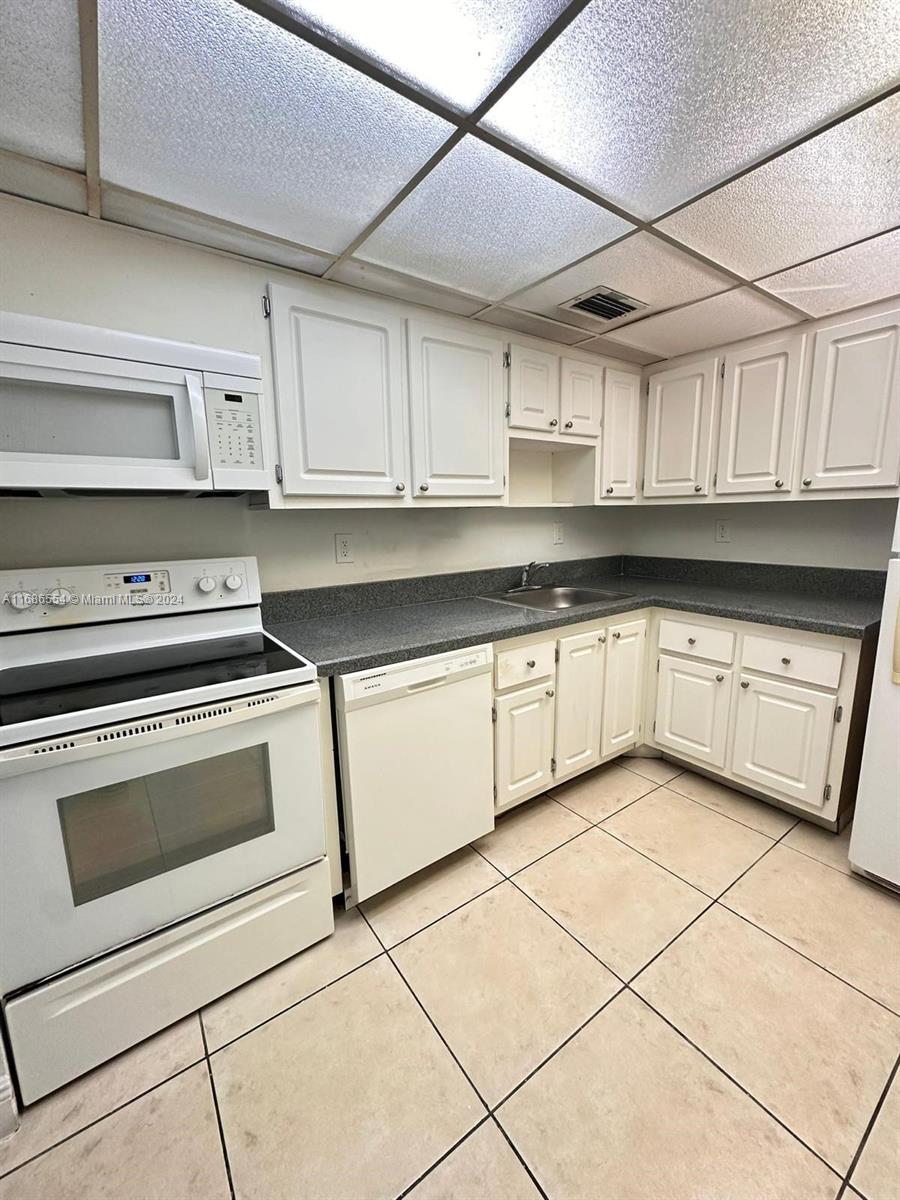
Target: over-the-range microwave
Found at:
84, 408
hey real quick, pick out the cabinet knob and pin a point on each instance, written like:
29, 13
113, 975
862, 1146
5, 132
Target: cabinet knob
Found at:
692, 641
423, 487
779, 483
609, 491
569, 424
401, 487
807, 482
554, 423
550, 692
786, 661
530, 663
602, 639
744, 683
698, 487
719, 678
617, 635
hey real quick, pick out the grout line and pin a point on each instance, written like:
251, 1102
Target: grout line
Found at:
668, 870
437, 1162
882, 1099
515, 1149
449, 912
822, 863
215, 1100
737, 820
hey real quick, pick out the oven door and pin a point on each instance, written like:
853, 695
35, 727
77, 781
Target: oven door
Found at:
108, 835
83, 421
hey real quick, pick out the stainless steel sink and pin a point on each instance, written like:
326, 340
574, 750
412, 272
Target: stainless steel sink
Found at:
552, 598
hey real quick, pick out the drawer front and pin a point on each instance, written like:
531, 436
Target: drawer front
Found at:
792, 660
701, 641
525, 665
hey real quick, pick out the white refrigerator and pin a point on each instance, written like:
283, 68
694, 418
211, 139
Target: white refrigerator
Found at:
875, 840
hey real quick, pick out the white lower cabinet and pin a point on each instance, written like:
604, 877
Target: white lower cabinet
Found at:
523, 742
782, 739
623, 689
693, 701
579, 703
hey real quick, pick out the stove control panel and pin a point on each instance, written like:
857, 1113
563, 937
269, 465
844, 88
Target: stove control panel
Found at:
65, 596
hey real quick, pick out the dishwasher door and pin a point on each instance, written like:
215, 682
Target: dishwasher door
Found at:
417, 764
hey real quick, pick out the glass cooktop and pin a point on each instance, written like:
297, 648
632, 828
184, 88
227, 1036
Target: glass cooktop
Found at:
52, 689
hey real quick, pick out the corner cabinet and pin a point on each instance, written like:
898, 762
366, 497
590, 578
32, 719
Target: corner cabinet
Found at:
621, 429
680, 430
339, 384
457, 402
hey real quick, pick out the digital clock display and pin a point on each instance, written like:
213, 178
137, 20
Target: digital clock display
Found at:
136, 578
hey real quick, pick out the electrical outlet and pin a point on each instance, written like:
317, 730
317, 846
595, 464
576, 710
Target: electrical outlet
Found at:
558, 535
723, 531
343, 548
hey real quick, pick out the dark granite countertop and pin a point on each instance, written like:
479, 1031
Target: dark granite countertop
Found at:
358, 640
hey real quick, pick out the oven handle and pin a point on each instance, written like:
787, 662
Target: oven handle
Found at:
147, 731
198, 423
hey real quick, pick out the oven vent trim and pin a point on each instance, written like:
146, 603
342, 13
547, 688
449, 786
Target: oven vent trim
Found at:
132, 731
191, 718
51, 748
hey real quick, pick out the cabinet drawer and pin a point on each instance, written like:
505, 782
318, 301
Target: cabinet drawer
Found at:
528, 663
791, 660
700, 641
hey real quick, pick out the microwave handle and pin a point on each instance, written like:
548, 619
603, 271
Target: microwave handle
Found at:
198, 423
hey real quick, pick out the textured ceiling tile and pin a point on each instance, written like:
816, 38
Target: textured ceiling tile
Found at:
652, 103
213, 108
643, 267
485, 223
454, 50
835, 188
857, 275
40, 70
508, 318
713, 322
405, 287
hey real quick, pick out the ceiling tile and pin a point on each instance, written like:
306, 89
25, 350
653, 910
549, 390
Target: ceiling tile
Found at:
454, 50
36, 180
643, 267
40, 65
509, 318
857, 275
713, 322
249, 123
650, 104
405, 287
836, 188
485, 223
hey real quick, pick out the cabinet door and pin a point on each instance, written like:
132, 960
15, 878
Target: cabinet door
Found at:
692, 705
340, 394
621, 421
580, 397
456, 403
533, 389
782, 739
760, 396
523, 742
679, 430
579, 702
623, 691
853, 429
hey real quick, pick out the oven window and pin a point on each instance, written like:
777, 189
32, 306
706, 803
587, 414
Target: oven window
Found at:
121, 834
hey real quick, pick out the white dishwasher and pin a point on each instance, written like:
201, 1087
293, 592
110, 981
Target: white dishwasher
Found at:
417, 763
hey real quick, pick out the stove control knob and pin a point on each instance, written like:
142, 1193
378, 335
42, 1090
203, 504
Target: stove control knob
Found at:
21, 601
59, 597
233, 582
206, 583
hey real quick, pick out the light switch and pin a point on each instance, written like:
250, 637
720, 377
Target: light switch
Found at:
558, 535
723, 531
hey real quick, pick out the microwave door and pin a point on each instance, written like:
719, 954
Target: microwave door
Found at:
77, 421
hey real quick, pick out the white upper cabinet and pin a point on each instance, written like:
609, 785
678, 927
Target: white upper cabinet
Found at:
853, 428
340, 393
760, 398
679, 430
621, 426
533, 389
579, 702
456, 396
623, 689
580, 397
692, 705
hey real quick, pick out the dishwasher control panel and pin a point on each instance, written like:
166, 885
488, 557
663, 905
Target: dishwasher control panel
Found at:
409, 677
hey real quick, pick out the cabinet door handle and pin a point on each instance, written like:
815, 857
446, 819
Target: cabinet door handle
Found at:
807, 482
744, 683
617, 635
692, 641
401, 487
786, 661
602, 639
423, 487
550, 692
698, 487
779, 483
719, 678
530, 663
554, 423
569, 424
609, 491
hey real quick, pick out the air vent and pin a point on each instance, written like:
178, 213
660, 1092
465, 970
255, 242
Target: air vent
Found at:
606, 304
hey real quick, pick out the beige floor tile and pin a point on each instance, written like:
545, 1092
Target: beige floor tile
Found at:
504, 985
877, 1174
351, 944
428, 895
629, 1111
811, 1049
656, 769
482, 1168
599, 793
94, 1095
350, 1095
764, 818
615, 901
703, 847
527, 832
850, 927
829, 848
164, 1146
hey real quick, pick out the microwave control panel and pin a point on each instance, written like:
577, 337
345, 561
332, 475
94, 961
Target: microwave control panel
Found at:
234, 429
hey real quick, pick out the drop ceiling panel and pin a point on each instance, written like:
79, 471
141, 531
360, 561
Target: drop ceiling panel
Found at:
509, 318
405, 287
643, 267
454, 50
242, 120
857, 275
483, 222
650, 104
835, 188
40, 69
713, 322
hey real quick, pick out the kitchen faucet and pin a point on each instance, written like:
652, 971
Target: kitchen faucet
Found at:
527, 572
